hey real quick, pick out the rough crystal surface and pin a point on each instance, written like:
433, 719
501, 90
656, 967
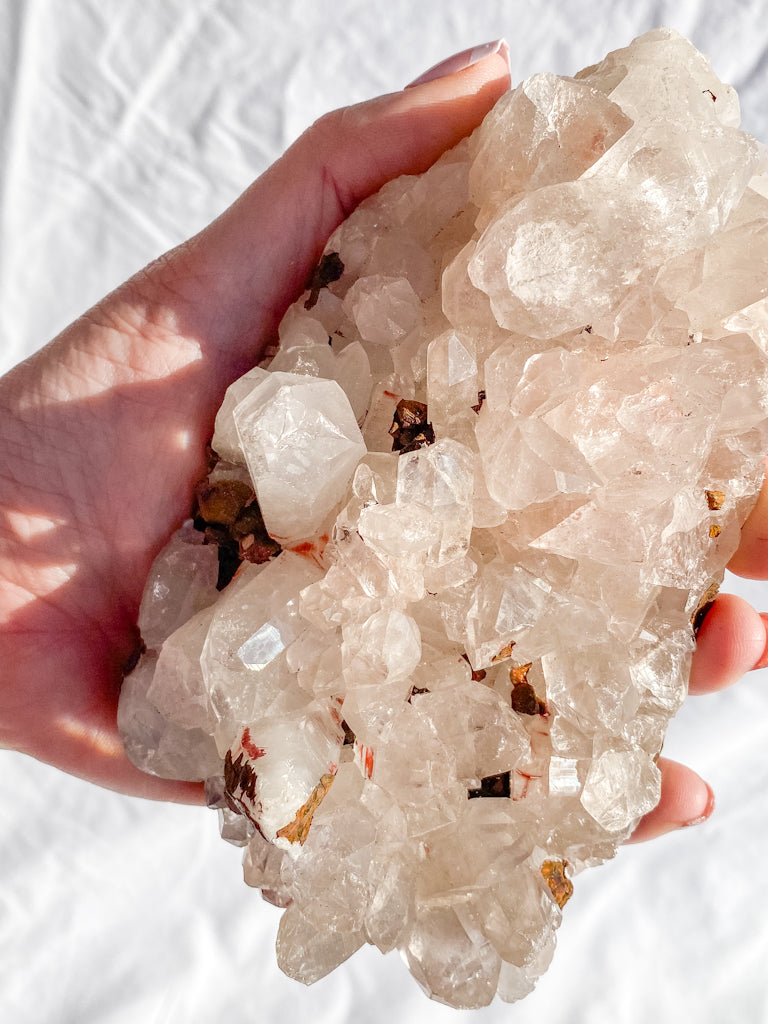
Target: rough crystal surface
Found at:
507, 443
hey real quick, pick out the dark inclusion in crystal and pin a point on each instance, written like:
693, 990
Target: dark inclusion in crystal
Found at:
523, 697
329, 269
222, 502
239, 781
228, 513
415, 691
492, 785
706, 602
410, 429
229, 563
525, 701
478, 675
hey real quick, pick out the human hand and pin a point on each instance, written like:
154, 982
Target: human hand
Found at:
104, 432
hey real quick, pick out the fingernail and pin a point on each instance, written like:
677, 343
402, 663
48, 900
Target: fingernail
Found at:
460, 61
709, 807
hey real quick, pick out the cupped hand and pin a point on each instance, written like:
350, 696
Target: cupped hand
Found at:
104, 430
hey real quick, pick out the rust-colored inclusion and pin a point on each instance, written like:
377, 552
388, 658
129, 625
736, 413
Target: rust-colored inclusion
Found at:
715, 500
239, 785
298, 830
523, 696
504, 653
222, 501
228, 513
410, 428
561, 887
519, 673
479, 674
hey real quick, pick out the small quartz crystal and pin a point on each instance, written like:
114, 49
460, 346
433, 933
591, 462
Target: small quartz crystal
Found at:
436, 605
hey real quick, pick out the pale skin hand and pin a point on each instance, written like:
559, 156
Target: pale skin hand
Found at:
104, 430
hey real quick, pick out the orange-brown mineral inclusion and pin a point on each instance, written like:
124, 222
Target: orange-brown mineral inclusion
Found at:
553, 872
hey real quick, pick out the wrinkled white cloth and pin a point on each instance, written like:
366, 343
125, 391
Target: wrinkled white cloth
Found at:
124, 127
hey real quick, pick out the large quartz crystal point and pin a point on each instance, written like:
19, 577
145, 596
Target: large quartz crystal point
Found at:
276, 778
308, 953
566, 254
350, 368
444, 958
155, 743
182, 581
620, 788
546, 131
178, 690
226, 442
301, 444
439, 479
507, 444
164, 716
243, 658
378, 662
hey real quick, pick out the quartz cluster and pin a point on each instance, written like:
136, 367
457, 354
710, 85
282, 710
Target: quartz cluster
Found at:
438, 598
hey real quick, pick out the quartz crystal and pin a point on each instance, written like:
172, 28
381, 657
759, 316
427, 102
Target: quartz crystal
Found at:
438, 599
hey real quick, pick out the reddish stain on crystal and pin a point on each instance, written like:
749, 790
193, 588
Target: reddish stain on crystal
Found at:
366, 758
312, 549
250, 747
527, 779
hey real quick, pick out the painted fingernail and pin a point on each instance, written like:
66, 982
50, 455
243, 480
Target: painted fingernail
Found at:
708, 808
460, 61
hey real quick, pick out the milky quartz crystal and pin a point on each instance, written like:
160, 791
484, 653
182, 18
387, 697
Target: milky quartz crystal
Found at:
479, 499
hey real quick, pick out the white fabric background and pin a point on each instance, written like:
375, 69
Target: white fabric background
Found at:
124, 127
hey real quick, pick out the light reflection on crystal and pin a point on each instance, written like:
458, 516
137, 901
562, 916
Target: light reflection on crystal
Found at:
564, 776
269, 640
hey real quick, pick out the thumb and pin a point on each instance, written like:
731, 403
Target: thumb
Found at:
252, 262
